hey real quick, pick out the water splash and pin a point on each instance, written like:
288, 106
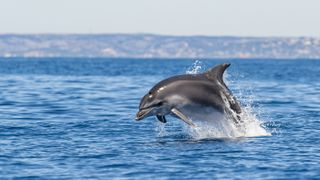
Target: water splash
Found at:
210, 127
195, 68
160, 128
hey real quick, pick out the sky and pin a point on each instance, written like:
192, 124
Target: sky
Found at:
168, 17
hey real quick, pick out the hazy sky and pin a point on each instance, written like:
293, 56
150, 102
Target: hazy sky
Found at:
175, 17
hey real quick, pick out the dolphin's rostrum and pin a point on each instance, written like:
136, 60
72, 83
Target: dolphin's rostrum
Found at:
186, 96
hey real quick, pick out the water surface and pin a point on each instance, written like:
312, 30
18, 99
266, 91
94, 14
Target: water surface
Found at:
74, 119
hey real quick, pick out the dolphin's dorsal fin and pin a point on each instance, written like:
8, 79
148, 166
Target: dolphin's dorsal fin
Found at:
216, 73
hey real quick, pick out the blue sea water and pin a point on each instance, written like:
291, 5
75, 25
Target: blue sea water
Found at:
64, 118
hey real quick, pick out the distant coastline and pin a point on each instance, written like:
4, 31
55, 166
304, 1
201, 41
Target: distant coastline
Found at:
157, 46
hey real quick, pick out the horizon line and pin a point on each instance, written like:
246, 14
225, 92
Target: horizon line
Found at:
156, 34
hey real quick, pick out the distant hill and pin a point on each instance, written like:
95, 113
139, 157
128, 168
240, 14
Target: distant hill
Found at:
156, 46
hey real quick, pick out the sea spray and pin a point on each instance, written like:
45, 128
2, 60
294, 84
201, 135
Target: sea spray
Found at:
195, 68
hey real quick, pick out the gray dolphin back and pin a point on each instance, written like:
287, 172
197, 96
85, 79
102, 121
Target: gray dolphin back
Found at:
215, 75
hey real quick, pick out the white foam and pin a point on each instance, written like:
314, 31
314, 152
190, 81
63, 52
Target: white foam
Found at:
210, 127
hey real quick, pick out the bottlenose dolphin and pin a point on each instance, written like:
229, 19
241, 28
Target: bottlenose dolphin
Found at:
188, 96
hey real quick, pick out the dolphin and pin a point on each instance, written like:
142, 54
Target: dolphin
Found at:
190, 96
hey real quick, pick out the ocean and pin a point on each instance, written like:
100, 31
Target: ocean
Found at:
73, 118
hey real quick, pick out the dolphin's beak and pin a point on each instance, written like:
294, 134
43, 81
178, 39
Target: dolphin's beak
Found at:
142, 113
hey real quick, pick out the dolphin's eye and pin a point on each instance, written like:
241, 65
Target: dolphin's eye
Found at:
159, 103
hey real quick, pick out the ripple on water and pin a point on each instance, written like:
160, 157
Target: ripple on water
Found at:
72, 119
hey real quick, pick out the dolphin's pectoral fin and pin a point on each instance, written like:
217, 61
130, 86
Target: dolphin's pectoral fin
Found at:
161, 118
183, 117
